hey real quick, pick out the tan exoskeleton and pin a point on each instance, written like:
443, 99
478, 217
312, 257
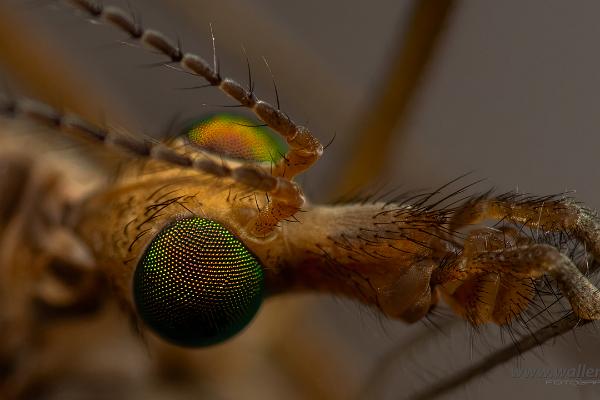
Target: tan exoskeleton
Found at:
399, 257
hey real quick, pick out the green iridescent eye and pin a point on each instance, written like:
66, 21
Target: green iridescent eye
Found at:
197, 284
236, 137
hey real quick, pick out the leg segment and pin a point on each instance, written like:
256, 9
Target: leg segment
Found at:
495, 285
549, 214
491, 280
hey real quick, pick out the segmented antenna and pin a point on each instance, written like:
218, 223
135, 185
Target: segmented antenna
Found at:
304, 148
251, 176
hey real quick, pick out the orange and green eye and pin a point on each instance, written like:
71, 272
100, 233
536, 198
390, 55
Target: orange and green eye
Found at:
236, 137
197, 284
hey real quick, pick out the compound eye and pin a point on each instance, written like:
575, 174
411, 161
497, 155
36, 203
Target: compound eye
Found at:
197, 284
236, 137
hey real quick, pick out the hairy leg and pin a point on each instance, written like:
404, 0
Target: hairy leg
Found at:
491, 280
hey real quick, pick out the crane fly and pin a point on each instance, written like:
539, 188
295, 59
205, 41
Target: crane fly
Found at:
197, 229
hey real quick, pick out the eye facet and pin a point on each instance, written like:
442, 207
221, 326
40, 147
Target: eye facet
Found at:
236, 137
197, 284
